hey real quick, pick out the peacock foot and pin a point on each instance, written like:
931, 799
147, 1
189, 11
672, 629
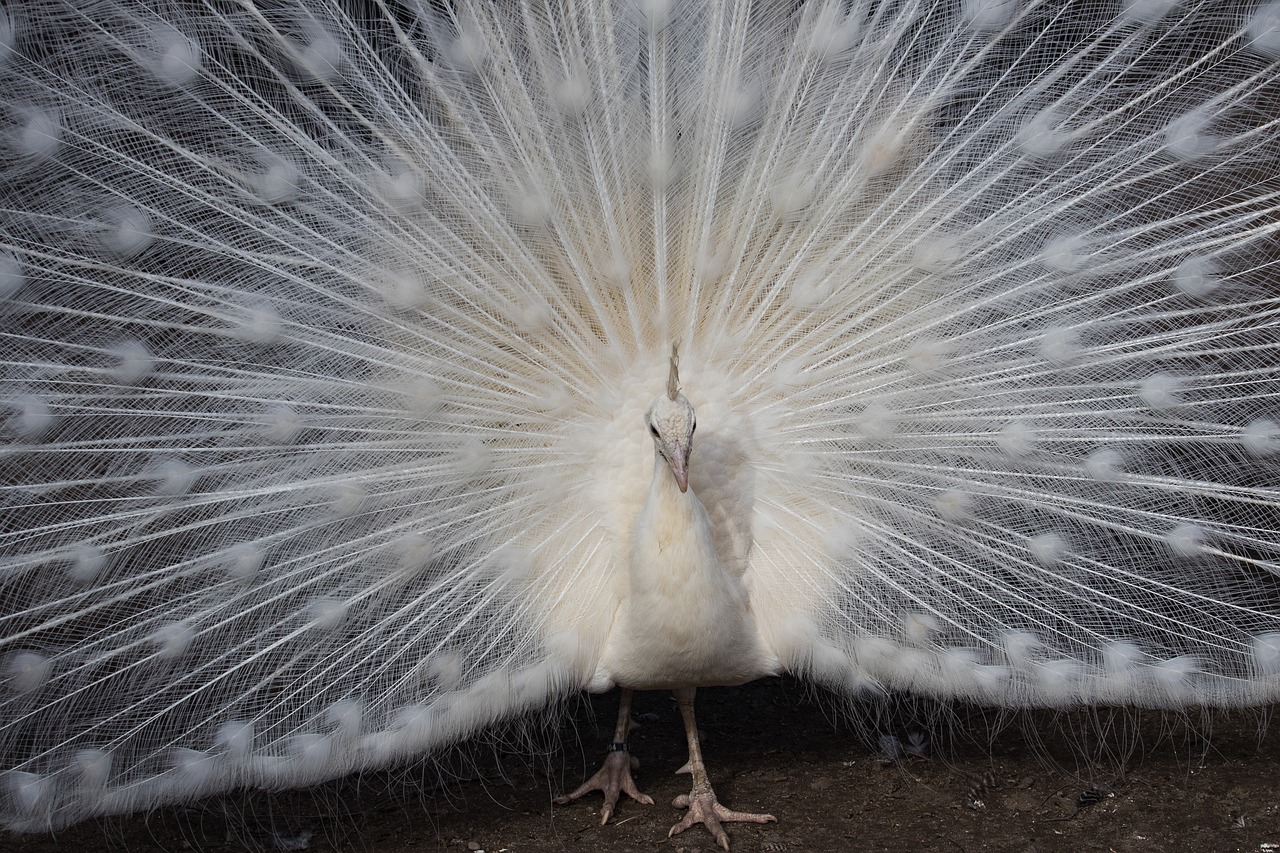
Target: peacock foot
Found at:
612, 779
704, 808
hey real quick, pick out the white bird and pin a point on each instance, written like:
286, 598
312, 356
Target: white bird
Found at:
683, 620
335, 339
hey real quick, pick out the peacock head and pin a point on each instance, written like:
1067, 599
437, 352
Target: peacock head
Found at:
671, 423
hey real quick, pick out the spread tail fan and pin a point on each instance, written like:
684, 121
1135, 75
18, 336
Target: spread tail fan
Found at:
328, 331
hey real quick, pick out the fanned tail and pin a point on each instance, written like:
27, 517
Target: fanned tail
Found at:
328, 332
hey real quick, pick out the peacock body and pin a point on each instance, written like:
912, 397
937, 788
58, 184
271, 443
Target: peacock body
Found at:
329, 332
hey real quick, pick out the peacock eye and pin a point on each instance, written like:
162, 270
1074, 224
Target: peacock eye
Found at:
693, 428
653, 430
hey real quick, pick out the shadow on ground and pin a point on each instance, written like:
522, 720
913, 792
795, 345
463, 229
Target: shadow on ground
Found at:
906, 778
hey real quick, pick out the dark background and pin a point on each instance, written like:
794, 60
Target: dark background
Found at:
1094, 779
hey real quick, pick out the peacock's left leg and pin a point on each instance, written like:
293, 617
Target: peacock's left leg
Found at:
701, 802
614, 776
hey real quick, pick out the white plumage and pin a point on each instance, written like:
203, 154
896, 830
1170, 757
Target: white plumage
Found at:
684, 616
329, 332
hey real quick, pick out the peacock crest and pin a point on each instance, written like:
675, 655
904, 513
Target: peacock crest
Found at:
673, 377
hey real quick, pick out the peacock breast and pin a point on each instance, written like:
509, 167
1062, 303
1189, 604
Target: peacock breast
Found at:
684, 620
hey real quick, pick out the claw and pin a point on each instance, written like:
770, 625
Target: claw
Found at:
612, 779
705, 809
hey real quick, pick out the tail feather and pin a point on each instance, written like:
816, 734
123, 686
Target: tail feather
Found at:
328, 332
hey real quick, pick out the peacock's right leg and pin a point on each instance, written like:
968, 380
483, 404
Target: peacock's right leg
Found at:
701, 802
614, 776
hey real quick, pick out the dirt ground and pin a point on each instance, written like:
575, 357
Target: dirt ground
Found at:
964, 781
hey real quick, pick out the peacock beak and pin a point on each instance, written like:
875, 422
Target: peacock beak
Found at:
679, 462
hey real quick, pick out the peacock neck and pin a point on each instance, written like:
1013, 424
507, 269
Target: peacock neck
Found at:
672, 536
